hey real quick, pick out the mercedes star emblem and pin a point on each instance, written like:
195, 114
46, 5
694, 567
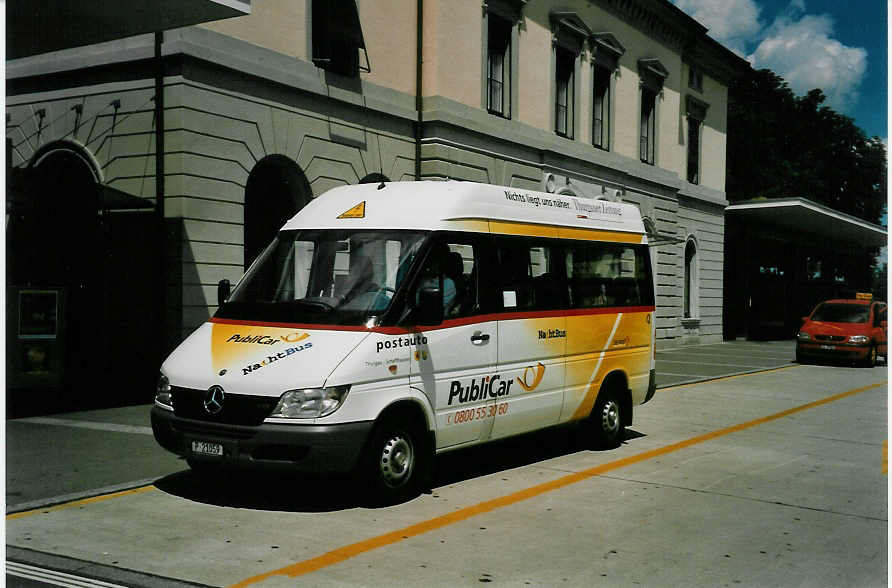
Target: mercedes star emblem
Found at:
213, 400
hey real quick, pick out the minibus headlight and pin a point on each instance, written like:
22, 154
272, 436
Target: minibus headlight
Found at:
859, 339
803, 336
163, 395
310, 403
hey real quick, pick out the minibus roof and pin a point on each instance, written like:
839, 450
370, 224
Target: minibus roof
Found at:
460, 206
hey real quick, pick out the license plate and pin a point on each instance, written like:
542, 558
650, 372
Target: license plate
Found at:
205, 448
828, 347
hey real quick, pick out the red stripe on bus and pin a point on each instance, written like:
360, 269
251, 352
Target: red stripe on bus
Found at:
447, 324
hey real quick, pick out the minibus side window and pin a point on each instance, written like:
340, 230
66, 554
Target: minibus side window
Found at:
531, 274
607, 274
457, 262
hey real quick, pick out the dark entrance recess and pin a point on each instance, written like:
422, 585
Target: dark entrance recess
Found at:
276, 190
783, 256
81, 278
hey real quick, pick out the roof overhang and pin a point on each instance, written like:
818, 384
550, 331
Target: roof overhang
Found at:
800, 215
40, 26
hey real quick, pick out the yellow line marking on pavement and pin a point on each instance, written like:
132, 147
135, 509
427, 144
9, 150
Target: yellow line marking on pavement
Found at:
82, 502
349, 551
722, 379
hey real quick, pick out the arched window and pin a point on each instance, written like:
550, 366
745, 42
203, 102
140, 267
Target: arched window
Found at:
690, 279
276, 190
60, 200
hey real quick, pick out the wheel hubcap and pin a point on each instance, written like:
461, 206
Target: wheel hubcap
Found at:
610, 417
397, 461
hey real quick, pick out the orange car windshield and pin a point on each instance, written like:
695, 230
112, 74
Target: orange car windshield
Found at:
842, 313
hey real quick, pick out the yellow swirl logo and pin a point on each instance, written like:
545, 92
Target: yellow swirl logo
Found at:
294, 337
531, 377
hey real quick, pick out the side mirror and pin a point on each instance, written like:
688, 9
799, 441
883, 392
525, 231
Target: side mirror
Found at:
223, 290
804, 319
430, 306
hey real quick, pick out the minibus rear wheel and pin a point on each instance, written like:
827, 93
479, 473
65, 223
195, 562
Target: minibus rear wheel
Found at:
606, 420
395, 460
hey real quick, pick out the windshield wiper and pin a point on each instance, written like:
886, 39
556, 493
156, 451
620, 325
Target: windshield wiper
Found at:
316, 303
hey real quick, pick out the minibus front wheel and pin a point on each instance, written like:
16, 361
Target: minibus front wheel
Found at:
396, 459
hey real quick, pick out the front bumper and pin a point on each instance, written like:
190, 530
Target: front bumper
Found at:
844, 351
313, 449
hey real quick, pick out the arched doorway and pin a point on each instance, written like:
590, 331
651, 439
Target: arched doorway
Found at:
52, 277
276, 190
81, 280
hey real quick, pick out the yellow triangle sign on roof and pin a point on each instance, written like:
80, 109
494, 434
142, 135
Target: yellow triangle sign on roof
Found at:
357, 211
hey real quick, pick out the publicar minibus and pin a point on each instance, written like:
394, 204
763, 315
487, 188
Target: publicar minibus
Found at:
387, 323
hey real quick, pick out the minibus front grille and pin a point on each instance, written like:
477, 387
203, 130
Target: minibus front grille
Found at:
236, 409
835, 338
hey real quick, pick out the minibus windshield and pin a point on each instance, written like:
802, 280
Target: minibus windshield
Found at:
324, 276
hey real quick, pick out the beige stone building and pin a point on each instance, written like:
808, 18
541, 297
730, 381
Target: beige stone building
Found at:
262, 112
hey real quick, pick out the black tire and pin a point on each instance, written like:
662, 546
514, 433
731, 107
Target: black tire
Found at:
606, 420
396, 461
871, 359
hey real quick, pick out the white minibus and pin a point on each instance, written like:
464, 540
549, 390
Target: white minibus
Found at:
387, 323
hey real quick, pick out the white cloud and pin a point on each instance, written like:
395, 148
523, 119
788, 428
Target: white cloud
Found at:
799, 47
802, 50
734, 23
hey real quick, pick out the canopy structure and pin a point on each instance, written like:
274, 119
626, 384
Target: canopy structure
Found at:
783, 256
800, 215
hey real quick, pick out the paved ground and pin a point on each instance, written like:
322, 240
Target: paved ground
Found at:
764, 479
696, 363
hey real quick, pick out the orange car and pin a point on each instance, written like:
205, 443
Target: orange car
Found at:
846, 330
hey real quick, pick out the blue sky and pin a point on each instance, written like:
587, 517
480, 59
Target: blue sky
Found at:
837, 46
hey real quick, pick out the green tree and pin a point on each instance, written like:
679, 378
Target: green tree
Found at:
783, 145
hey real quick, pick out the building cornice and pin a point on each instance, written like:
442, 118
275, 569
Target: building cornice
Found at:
658, 18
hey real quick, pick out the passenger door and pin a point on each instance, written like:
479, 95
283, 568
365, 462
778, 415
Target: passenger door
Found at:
532, 335
455, 362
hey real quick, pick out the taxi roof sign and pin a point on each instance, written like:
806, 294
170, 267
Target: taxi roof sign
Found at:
357, 211
863, 296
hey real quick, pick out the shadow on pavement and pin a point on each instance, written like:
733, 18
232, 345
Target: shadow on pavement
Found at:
264, 491
258, 490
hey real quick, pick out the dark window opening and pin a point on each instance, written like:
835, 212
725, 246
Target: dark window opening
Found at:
695, 79
690, 254
498, 74
693, 150
565, 65
337, 37
648, 124
601, 108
